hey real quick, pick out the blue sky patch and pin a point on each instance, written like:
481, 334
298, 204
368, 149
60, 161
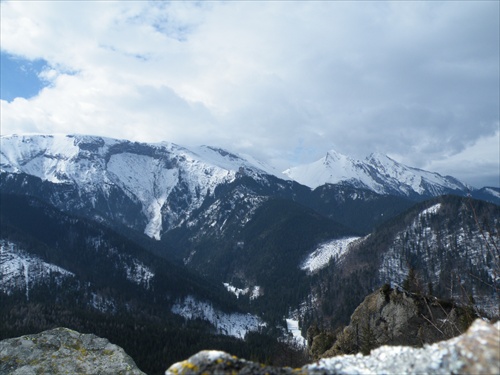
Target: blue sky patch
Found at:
20, 77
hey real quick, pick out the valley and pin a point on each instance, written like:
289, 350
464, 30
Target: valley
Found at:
157, 246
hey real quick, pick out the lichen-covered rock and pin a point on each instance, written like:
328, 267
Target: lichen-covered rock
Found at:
220, 363
63, 351
475, 352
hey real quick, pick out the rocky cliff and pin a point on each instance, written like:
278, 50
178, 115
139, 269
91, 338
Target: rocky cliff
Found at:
475, 352
393, 316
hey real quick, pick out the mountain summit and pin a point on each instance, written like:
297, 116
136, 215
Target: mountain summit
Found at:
165, 180
378, 173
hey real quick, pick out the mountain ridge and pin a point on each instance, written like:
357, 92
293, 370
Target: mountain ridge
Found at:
450, 243
339, 167
153, 176
377, 172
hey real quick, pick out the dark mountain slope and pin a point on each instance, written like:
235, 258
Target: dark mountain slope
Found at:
81, 275
94, 253
253, 241
451, 245
359, 209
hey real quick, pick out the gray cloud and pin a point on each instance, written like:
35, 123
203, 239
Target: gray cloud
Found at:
285, 81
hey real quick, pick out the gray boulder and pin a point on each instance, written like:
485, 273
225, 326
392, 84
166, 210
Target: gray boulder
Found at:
475, 352
63, 351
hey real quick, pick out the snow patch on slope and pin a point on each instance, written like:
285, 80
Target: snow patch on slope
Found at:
493, 192
43, 156
293, 327
431, 210
55, 158
235, 324
255, 291
320, 257
102, 304
236, 291
139, 274
20, 270
146, 179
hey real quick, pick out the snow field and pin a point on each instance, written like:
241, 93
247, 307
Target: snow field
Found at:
320, 257
235, 324
293, 328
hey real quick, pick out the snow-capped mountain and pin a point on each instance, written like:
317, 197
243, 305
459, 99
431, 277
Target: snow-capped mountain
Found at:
164, 182
234, 236
378, 173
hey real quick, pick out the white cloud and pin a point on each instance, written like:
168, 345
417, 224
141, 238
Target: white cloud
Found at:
284, 81
479, 164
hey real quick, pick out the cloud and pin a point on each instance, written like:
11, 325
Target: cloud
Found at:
283, 81
479, 164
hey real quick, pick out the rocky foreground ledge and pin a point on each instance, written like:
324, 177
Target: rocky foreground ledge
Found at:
63, 351
475, 352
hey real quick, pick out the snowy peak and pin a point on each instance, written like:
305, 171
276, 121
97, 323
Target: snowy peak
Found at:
417, 180
50, 157
227, 160
334, 156
377, 172
240, 163
42, 155
167, 181
377, 158
332, 168
342, 166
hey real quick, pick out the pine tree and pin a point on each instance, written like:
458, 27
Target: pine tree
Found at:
368, 339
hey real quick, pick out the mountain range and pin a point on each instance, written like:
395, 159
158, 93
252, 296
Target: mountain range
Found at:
206, 240
163, 184
377, 172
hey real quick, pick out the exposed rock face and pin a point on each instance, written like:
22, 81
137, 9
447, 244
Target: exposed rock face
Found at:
395, 317
63, 351
475, 352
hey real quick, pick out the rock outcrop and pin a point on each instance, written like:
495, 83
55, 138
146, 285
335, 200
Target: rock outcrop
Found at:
394, 317
475, 352
63, 351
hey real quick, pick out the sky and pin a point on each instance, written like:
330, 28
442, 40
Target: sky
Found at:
283, 81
